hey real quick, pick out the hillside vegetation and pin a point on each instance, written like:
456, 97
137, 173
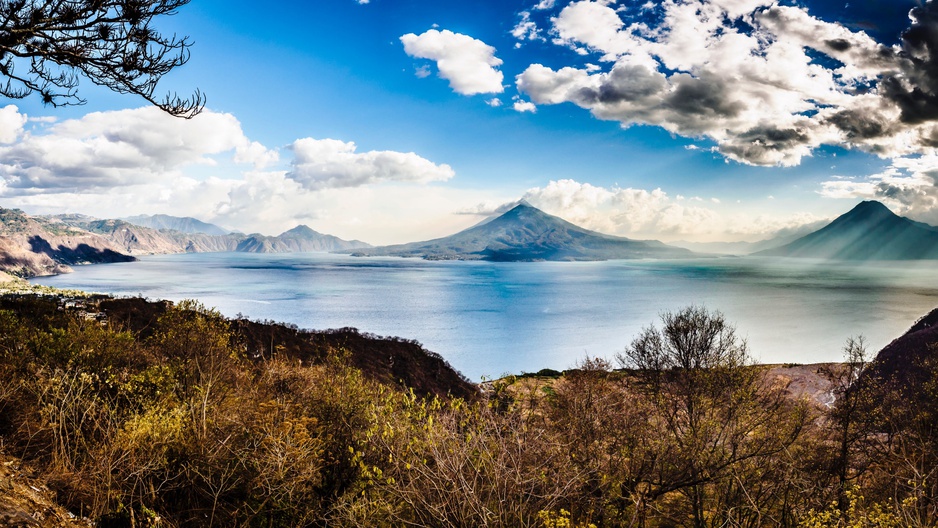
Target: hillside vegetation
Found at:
151, 414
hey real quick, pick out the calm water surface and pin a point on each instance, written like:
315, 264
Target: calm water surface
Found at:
488, 319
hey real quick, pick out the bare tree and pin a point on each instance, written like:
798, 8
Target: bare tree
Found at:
46, 44
713, 409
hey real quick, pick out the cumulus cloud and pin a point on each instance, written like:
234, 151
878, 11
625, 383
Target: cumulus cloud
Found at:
126, 147
330, 163
768, 84
11, 123
526, 29
524, 106
112, 164
469, 64
488, 208
644, 214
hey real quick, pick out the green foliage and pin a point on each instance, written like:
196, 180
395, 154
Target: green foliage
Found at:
559, 519
860, 514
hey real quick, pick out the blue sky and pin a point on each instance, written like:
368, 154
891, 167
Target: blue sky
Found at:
632, 118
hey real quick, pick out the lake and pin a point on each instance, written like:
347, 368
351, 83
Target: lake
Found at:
488, 319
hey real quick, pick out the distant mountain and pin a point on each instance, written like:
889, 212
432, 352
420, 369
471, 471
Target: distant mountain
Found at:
526, 233
299, 239
184, 224
869, 231
134, 239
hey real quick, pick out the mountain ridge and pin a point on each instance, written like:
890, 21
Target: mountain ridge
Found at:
183, 224
35, 245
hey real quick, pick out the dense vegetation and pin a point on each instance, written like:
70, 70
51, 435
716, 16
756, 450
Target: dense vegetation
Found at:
173, 416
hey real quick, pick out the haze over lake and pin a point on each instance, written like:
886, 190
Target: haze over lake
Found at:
489, 319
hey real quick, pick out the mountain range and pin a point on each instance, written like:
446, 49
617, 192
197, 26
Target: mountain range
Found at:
37, 245
526, 233
43, 245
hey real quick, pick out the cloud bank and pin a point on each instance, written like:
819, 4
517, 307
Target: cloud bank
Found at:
647, 214
768, 84
121, 163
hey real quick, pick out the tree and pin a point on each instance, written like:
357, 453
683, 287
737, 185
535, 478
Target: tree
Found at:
714, 410
46, 44
851, 405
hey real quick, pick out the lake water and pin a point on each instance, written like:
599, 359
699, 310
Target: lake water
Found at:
489, 319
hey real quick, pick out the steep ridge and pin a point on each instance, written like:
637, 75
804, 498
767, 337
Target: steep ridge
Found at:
526, 233
31, 247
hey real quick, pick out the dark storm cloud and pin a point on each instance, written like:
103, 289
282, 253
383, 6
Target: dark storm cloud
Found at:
628, 83
860, 125
704, 96
762, 144
838, 44
916, 90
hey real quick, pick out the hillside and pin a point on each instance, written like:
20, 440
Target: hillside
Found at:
33, 246
869, 231
137, 240
908, 358
135, 413
526, 233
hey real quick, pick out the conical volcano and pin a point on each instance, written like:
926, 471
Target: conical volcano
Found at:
869, 231
525, 233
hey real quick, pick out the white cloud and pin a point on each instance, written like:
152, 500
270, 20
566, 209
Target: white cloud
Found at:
469, 65
738, 8
126, 147
494, 102
545, 4
422, 72
524, 106
330, 163
11, 123
526, 29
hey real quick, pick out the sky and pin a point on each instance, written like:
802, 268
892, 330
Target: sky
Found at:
392, 121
